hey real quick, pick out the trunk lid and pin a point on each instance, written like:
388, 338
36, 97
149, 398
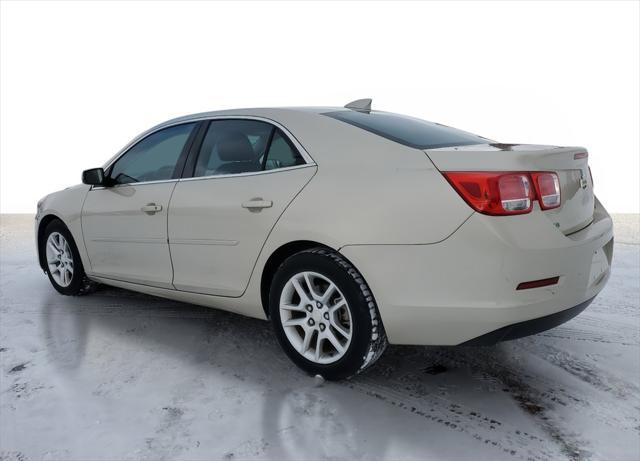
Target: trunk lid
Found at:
569, 163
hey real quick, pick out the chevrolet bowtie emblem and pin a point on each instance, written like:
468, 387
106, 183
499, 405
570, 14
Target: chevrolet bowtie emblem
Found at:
583, 180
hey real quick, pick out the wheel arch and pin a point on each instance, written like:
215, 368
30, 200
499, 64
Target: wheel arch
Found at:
278, 257
42, 225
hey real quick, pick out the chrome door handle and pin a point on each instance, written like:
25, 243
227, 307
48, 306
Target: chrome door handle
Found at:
257, 204
151, 208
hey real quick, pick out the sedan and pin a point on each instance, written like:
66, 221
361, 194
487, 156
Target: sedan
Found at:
348, 228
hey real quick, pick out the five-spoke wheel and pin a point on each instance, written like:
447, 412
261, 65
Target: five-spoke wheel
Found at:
315, 316
59, 259
324, 314
62, 260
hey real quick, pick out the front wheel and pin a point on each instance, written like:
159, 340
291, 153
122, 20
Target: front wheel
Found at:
64, 266
324, 314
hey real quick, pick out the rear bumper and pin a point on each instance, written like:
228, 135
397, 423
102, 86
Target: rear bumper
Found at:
464, 287
528, 327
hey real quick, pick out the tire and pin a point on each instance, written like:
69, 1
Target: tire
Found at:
346, 313
57, 240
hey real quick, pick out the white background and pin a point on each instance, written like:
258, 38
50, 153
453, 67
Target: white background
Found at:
79, 80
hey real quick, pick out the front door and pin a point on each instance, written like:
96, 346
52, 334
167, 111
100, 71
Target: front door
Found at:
125, 225
246, 174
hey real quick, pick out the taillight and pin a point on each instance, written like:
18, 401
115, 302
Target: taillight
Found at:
516, 194
548, 189
506, 193
494, 193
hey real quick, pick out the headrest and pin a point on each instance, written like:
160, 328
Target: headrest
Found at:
234, 146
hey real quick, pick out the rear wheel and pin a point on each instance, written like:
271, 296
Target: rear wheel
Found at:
324, 314
63, 264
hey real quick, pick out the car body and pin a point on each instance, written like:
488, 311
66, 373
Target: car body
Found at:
375, 188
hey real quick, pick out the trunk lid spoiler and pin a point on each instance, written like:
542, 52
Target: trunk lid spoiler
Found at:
569, 163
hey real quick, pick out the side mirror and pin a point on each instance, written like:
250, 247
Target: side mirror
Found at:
93, 177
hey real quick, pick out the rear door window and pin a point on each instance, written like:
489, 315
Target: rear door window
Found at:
234, 146
409, 131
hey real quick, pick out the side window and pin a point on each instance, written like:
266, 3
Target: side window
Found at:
154, 158
233, 146
282, 153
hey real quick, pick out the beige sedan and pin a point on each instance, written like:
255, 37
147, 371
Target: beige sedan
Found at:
347, 227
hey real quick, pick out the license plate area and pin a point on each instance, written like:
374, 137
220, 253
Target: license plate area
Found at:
600, 264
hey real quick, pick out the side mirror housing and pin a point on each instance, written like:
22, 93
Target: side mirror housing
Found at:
93, 177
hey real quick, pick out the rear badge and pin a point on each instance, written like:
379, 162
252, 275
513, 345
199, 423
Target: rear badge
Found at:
583, 180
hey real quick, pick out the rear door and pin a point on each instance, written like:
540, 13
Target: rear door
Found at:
125, 225
244, 176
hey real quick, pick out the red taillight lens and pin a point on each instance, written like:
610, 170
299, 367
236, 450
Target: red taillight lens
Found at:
548, 189
506, 193
515, 192
494, 193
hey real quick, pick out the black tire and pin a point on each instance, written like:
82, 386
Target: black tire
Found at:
368, 340
80, 283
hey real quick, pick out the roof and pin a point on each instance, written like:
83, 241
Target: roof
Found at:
258, 111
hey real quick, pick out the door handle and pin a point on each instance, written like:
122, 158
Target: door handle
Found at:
151, 208
256, 204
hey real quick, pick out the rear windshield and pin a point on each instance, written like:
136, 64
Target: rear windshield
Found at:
409, 131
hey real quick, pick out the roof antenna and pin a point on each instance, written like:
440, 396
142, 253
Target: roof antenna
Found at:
361, 105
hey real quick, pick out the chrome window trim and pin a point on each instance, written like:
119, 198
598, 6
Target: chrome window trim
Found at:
303, 152
248, 173
305, 155
214, 176
131, 184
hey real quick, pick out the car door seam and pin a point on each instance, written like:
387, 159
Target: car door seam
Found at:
84, 242
173, 275
271, 231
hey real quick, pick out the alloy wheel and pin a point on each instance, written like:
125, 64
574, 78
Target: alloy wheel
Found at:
59, 259
315, 317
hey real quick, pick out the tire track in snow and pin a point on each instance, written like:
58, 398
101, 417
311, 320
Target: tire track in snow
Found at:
536, 395
585, 371
596, 329
411, 395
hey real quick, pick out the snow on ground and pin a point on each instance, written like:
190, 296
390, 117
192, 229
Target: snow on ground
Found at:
119, 375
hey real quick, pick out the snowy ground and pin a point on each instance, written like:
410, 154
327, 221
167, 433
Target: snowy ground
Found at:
118, 375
